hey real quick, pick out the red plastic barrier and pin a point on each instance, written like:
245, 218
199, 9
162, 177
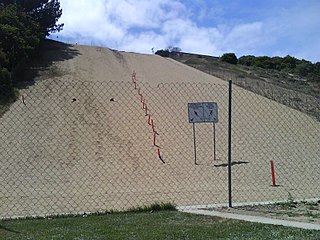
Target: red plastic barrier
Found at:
152, 125
149, 119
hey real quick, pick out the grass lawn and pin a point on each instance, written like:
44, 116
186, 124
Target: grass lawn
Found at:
146, 225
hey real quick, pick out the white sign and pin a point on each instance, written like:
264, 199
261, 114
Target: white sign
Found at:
203, 112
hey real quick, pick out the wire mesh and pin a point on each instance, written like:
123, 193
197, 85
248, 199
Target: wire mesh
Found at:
264, 130
81, 146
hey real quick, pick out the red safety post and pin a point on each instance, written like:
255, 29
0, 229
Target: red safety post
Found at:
149, 119
154, 139
273, 173
146, 110
139, 92
152, 125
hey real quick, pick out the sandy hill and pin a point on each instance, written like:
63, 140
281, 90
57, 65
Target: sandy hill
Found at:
80, 140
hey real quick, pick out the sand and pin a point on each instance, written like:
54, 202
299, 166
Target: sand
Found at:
70, 149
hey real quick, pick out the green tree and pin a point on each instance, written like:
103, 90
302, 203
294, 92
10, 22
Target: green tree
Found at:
23, 25
290, 61
229, 58
247, 60
44, 12
20, 34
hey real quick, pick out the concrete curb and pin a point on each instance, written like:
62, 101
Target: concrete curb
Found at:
256, 219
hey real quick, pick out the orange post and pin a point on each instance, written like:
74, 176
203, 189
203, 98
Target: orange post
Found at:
273, 173
149, 119
144, 104
152, 125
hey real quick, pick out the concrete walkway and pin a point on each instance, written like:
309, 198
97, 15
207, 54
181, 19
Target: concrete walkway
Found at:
256, 219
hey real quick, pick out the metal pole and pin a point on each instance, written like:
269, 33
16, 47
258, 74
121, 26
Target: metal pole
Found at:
214, 141
229, 145
194, 144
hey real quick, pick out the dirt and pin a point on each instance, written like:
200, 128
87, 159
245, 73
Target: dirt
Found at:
60, 156
308, 212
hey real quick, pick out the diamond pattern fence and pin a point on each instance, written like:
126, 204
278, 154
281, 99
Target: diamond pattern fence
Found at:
100, 146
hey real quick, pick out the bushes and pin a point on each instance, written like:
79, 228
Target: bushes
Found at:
163, 53
287, 64
229, 58
168, 52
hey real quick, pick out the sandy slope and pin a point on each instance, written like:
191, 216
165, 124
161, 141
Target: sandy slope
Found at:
59, 155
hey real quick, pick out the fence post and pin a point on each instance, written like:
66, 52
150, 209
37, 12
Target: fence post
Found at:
229, 144
318, 110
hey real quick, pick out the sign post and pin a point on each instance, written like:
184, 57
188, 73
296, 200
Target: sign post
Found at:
214, 141
203, 112
194, 144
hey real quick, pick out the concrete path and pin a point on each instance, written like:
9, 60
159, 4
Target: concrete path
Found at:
256, 219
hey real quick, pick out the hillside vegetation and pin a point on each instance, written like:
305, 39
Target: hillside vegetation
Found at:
288, 72
23, 26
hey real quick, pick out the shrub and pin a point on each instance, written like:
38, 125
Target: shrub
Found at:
229, 58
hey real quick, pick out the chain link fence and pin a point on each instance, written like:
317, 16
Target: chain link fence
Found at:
297, 100
88, 146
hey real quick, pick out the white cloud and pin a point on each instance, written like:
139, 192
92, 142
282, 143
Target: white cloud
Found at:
143, 42
143, 14
192, 38
140, 25
86, 21
244, 38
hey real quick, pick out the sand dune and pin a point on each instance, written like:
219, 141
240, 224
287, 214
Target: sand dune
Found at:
71, 149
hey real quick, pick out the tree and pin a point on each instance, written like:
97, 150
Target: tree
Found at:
45, 12
167, 52
163, 53
229, 58
247, 60
290, 61
20, 34
23, 25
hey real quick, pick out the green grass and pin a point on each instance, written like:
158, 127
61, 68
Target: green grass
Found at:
146, 225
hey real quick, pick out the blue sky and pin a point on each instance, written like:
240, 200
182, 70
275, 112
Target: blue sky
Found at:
265, 27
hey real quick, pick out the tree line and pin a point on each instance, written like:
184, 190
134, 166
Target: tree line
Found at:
288, 64
302, 68
24, 24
